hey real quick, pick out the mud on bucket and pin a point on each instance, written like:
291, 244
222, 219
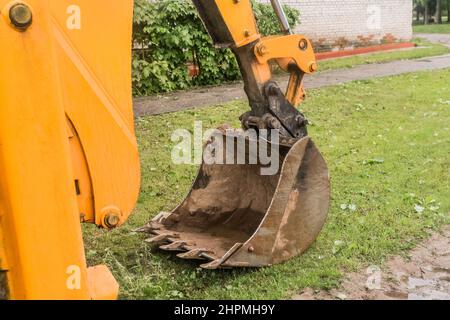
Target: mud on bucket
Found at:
241, 215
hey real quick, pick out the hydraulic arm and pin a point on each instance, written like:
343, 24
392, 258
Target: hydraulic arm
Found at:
232, 24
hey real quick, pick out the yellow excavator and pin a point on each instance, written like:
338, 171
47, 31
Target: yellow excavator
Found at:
68, 152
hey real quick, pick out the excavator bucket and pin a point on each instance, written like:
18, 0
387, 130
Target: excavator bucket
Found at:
235, 216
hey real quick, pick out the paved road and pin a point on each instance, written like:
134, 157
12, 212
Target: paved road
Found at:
222, 94
435, 37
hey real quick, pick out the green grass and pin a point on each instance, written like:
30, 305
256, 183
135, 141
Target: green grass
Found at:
428, 50
387, 143
432, 28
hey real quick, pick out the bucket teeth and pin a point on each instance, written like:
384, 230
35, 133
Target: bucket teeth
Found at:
195, 254
145, 229
151, 227
162, 238
217, 263
176, 246
213, 265
161, 217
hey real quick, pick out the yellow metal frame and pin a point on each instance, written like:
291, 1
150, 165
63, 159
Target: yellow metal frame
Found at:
293, 53
243, 31
67, 145
294, 48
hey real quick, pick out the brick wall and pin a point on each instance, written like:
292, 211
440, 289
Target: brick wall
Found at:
352, 23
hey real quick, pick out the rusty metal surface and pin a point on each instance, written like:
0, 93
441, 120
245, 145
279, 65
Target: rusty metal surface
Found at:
293, 121
214, 22
3, 285
236, 217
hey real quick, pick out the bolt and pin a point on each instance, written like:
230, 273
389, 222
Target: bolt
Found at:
112, 220
312, 66
301, 120
262, 50
273, 123
21, 16
303, 44
251, 249
272, 89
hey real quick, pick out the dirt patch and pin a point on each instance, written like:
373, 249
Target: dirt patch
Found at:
423, 275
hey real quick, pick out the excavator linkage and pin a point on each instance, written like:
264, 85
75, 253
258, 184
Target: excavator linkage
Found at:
235, 214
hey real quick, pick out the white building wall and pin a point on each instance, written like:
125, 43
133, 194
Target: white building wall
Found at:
330, 20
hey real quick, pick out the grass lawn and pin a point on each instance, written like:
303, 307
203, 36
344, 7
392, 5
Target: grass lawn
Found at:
428, 50
432, 28
387, 142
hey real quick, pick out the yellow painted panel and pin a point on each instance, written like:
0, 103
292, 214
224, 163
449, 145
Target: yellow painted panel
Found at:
93, 44
40, 220
46, 75
240, 19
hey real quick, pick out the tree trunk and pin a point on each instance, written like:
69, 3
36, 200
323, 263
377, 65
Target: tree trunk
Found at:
439, 11
425, 18
448, 11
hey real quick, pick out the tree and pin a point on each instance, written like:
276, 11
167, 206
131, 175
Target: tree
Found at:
448, 11
431, 10
439, 11
418, 7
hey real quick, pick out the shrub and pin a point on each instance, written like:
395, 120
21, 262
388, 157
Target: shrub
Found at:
267, 20
168, 35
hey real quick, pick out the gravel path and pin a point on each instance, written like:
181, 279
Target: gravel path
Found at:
204, 97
